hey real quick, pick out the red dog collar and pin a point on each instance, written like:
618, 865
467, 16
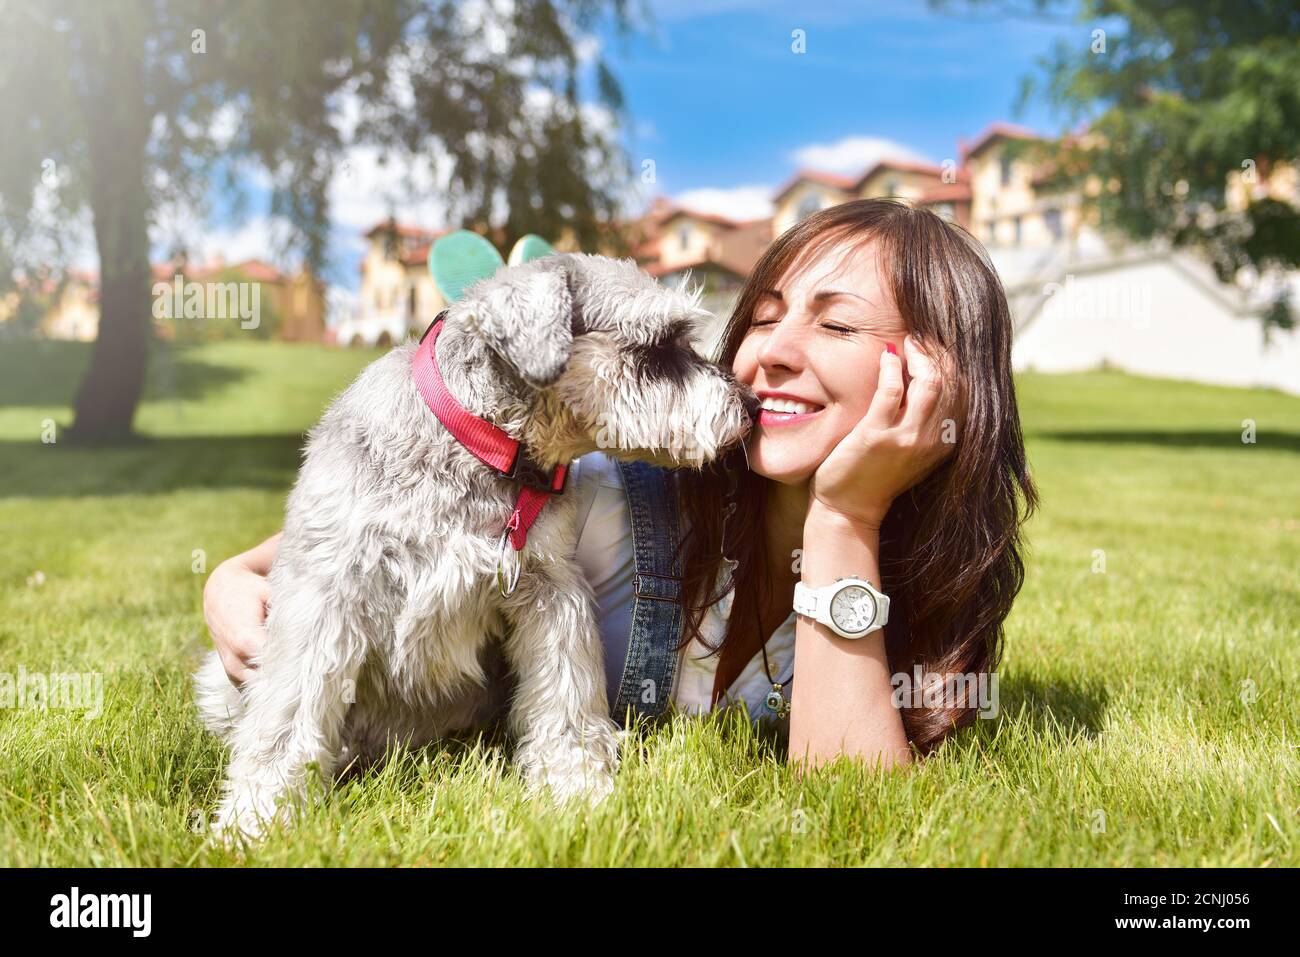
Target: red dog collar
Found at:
489, 444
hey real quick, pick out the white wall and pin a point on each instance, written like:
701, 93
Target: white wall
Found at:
1153, 318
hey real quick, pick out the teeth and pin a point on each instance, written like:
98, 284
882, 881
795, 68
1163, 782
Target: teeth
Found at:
789, 406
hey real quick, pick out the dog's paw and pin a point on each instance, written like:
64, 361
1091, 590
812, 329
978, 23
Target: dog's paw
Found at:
588, 784
581, 784
569, 772
246, 815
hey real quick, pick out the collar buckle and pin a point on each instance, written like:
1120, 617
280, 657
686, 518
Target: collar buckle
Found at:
527, 472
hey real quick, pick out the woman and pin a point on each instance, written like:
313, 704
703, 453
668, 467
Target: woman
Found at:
889, 450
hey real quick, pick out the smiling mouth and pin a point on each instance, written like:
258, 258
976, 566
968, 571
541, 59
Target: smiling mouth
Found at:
775, 411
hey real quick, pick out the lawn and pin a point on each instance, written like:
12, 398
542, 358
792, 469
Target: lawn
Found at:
1148, 710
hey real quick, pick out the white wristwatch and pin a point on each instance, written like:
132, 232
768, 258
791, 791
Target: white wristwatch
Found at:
850, 607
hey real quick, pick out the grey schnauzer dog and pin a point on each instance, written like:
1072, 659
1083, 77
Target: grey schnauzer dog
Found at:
386, 623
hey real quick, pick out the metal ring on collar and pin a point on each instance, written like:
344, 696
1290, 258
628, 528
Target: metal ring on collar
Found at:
506, 583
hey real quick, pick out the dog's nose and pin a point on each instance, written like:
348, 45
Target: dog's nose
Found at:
750, 402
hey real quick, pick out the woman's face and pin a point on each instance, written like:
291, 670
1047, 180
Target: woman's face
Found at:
816, 340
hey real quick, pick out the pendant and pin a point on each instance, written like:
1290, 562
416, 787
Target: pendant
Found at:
776, 703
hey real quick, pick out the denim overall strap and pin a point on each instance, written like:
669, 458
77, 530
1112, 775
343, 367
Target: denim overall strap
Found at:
652, 649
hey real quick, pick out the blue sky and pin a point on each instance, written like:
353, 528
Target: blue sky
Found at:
719, 100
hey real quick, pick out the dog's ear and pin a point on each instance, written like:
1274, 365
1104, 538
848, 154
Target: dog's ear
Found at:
525, 315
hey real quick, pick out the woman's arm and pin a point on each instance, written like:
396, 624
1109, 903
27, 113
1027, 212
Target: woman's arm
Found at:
234, 606
842, 697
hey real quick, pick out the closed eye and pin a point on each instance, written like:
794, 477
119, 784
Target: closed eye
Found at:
831, 326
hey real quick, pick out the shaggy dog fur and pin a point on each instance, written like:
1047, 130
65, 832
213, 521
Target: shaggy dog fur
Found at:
385, 615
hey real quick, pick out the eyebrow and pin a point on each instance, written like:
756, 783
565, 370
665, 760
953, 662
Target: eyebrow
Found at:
817, 297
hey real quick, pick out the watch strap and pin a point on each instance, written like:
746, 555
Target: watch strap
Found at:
805, 600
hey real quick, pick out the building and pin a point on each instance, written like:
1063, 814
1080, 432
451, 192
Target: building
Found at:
297, 301
1079, 299
807, 192
715, 251
398, 298
1010, 202
943, 189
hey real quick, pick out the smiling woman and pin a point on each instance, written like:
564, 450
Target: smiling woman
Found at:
919, 457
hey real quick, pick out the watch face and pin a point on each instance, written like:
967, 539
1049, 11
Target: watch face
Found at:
853, 608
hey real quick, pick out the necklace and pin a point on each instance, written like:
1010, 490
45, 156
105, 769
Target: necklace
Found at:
775, 701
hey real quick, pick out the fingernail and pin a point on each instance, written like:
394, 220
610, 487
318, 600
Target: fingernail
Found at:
889, 347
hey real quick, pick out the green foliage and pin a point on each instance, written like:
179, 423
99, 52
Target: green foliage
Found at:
219, 89
1148, 714
1176, 95
1185, 94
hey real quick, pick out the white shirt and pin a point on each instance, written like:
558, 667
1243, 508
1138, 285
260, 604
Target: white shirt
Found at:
606, 556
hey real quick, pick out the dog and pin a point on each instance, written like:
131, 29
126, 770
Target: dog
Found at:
389, 594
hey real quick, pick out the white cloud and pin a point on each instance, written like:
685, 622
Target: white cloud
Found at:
854, 154
587, 48
736, 202
258, 238
366, 190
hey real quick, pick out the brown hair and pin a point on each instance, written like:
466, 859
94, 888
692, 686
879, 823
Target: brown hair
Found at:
950, 547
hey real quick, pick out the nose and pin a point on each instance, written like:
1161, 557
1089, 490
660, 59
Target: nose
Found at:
750, 401
783, 347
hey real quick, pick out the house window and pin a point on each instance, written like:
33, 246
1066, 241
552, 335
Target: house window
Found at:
809, 205
1015, 223
891, 187
1005, 163
684, 237
1052, 220
945, 211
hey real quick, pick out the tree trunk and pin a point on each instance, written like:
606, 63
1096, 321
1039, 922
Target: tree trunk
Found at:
119, 130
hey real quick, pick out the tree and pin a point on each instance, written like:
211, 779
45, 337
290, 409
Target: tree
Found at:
129, 109
1181, 99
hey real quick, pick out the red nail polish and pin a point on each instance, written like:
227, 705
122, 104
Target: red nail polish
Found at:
889, 347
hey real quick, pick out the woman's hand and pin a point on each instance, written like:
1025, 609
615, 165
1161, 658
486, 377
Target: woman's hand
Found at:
234, 606
907, 431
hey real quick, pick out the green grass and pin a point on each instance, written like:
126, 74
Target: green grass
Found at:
1148, 713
